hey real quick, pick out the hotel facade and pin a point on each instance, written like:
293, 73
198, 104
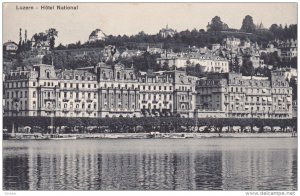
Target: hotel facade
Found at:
232, 95
100, 91
112, 90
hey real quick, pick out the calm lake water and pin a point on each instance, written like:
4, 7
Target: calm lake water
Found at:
151, 164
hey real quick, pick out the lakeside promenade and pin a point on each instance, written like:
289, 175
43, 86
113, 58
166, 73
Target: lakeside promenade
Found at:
152, 135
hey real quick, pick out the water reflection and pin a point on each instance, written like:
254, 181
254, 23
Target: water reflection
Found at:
213, 164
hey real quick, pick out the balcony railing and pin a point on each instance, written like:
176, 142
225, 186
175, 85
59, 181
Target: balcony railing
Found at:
16, 99
89, 111
49, 99
65, 100
77, 110
89, 100
77, 100
65, 110
49, 109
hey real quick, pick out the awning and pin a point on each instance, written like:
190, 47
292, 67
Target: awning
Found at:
237, 98
264, 98
288, 99
246, 106
264, 90
279, 99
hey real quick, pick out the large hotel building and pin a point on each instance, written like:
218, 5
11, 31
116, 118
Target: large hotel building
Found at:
100, 91
113, 91
232, 95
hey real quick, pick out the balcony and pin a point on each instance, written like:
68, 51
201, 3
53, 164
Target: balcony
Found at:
89, 110
89, 100
77, 110
184, 101
144, 101
281, 112
49, 99
154, 102
49, 109
238, 111
16, 99
77, 100
65, 110
65, 100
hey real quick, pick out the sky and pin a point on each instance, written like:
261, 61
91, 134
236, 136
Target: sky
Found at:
131, 18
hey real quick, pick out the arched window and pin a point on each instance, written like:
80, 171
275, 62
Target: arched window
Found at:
118, 75
131, 76
48, 74
125, 77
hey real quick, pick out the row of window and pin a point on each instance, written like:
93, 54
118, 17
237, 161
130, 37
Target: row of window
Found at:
77, 77
155, 80
117, 95
159, 106
154, 97
119, 86
71, 85
15, 84
13, 105
70, 95
77, 106
243, 89
110, 75
259, 108
16, 94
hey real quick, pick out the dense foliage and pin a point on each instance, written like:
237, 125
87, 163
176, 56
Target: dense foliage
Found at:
217, 31
146, 124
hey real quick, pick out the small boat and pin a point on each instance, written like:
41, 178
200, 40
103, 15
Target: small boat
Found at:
63, 138
60, 137
154, 135
181, 136
112, 136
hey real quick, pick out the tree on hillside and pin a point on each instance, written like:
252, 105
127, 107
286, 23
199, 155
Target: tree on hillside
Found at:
248, 25
165, 67
52, 33
247, 68
217, 24
234, 65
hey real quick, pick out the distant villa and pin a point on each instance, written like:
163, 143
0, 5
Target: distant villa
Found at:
165, 32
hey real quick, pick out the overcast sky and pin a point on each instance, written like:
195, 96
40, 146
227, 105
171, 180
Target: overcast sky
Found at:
130, 18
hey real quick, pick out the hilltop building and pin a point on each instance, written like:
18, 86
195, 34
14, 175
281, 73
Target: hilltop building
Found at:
288, 49
10, 47
97, 34
165, 32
